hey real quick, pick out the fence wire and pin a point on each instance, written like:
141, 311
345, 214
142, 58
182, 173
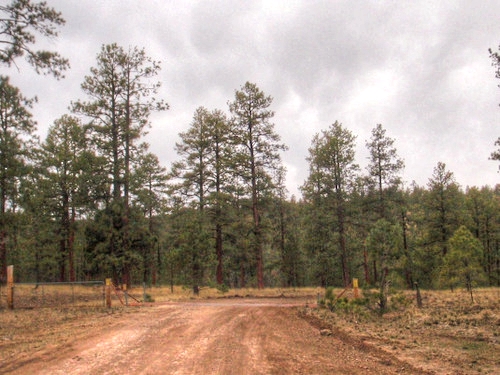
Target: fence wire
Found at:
63, 294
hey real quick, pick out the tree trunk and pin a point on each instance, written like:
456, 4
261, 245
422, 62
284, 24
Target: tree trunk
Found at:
219, 254
260, 268
408, 272
380, 191
341, 229
3, 256
342, 241
154, 269
3, 236
196, 276
498, 261
171, 276
218, 212
242, 275
126, 279
258, 237
365, 266
345, 261
71, 247
126, 188
488, 252
62, 258
384, 291
286, 266
64, 233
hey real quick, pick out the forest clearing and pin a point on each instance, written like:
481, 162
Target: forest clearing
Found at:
248, 331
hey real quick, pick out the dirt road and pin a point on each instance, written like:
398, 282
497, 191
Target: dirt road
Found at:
203, 337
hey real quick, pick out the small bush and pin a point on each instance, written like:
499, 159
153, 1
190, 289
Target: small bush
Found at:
223, 288
400, 301
329, 295
352, 308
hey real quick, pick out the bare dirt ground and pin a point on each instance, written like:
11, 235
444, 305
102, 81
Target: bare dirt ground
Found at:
223, 336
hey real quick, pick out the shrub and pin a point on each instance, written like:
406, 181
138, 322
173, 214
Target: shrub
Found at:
400, 301
223, 288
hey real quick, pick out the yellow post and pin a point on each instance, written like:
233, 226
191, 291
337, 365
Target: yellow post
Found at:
108, 293
355, 287
10, 287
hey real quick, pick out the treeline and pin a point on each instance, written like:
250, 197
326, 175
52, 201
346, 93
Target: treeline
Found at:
90, 201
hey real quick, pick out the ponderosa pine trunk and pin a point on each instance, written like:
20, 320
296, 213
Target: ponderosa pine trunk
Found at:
219, 254
71, 250
3, 255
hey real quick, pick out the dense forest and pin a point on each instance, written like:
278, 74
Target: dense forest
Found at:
91, 201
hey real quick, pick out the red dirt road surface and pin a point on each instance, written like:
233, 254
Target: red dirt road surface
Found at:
231, 336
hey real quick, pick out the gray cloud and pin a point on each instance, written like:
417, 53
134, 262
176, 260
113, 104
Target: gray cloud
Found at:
419, 68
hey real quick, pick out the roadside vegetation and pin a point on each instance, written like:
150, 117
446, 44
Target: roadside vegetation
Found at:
450, 334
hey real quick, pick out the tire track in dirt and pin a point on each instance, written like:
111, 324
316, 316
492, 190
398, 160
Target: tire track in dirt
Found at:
226, 337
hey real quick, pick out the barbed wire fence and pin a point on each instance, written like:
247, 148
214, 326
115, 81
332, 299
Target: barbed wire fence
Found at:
55, 294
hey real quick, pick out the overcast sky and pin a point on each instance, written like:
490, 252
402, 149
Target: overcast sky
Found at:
419, 68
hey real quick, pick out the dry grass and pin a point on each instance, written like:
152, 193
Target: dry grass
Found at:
164, 294
449, 335
30, 296
55, 296
26, 332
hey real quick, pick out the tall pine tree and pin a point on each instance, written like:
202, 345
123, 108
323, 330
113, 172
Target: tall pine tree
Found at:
257, 155
333, 172
16, 131
121, 91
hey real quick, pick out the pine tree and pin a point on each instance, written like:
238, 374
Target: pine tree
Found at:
16, 131
202, 175
257, 155
384, 167
443, 206
483, 220
121, 93
332, 175
149, 184
20, 21
462, 263
384, 241
62, 165
495, 57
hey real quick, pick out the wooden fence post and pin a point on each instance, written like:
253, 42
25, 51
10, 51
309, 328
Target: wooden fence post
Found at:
355, 287
108, 293
10, 287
